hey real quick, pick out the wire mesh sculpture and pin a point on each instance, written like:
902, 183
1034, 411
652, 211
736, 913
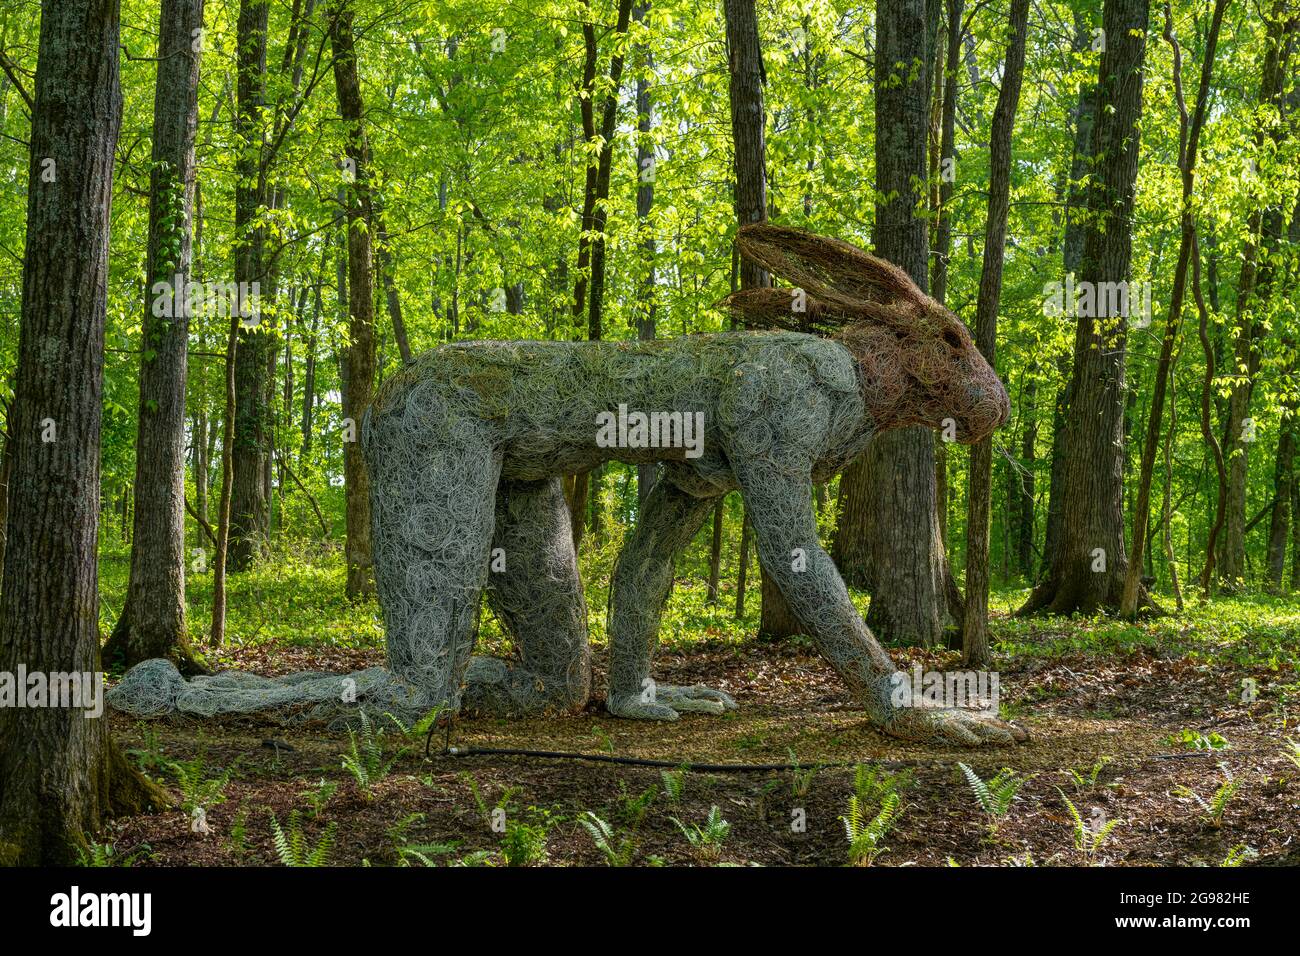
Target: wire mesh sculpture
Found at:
468, 444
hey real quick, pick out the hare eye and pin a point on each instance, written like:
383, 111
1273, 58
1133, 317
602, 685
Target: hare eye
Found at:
952, 338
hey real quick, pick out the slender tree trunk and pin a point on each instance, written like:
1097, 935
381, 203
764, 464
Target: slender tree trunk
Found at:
748, 133
249, 515
1264, 230
217, 634
361, 304
975, 642
60, 773
309, 364
1189, 140
1284, 474
388, 272
947, 164
1089, 561
152, 622
647, 311
589, 287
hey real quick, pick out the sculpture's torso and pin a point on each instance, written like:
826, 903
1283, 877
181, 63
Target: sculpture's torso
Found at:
542, 401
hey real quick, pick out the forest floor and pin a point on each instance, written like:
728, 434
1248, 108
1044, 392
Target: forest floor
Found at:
1131, 723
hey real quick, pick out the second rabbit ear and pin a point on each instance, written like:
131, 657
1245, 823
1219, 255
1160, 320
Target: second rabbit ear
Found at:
830, 269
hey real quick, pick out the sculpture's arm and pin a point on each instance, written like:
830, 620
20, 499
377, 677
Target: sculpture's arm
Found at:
778, 498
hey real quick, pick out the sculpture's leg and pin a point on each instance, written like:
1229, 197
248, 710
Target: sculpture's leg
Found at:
778, 498
643, 578
433, 503
534, 589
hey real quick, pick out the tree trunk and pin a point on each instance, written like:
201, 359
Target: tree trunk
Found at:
388, 271
249, 517
60, 773
891, 489
309, 364
152, 622
975, 642
748, 119
1264, 230
1089, 562
647, 304
1189, 140
220, 551
361, 304
589, 287
1072, 260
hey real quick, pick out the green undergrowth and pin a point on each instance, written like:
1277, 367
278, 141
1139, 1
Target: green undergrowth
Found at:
295, 598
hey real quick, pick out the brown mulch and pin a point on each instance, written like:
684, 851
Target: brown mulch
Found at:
1077, 709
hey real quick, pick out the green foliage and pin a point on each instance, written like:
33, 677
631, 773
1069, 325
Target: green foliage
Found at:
996, 794
1195, 740
1217, 805
412, 854
489, 815
1088, 778
706, 839
872, 782
867, 834
198, 790
1088, 839
293, 847
674, 782
320, 796
1291, 750
524, 842
238, 840
618, 848
149, 756
365, 759
96, 855
633, 807
873, 810
801, 778
1239, 854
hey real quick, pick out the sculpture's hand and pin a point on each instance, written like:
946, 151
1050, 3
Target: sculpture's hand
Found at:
959, 728
668, 701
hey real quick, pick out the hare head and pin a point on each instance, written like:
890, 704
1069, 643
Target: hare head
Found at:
918, 363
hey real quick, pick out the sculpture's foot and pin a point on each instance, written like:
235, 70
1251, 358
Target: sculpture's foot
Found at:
959, 728
668, 701
497, 689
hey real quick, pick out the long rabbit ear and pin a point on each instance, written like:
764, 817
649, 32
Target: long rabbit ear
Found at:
832, 270
791, 310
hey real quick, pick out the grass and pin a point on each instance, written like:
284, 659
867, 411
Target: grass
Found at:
296, 599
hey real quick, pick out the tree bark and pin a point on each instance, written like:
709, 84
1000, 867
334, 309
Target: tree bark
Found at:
647, 305
749, 142
1089, 561
1072, 260
152, 622
60, 773
249, 515
361, 305
889, 533
975, 642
